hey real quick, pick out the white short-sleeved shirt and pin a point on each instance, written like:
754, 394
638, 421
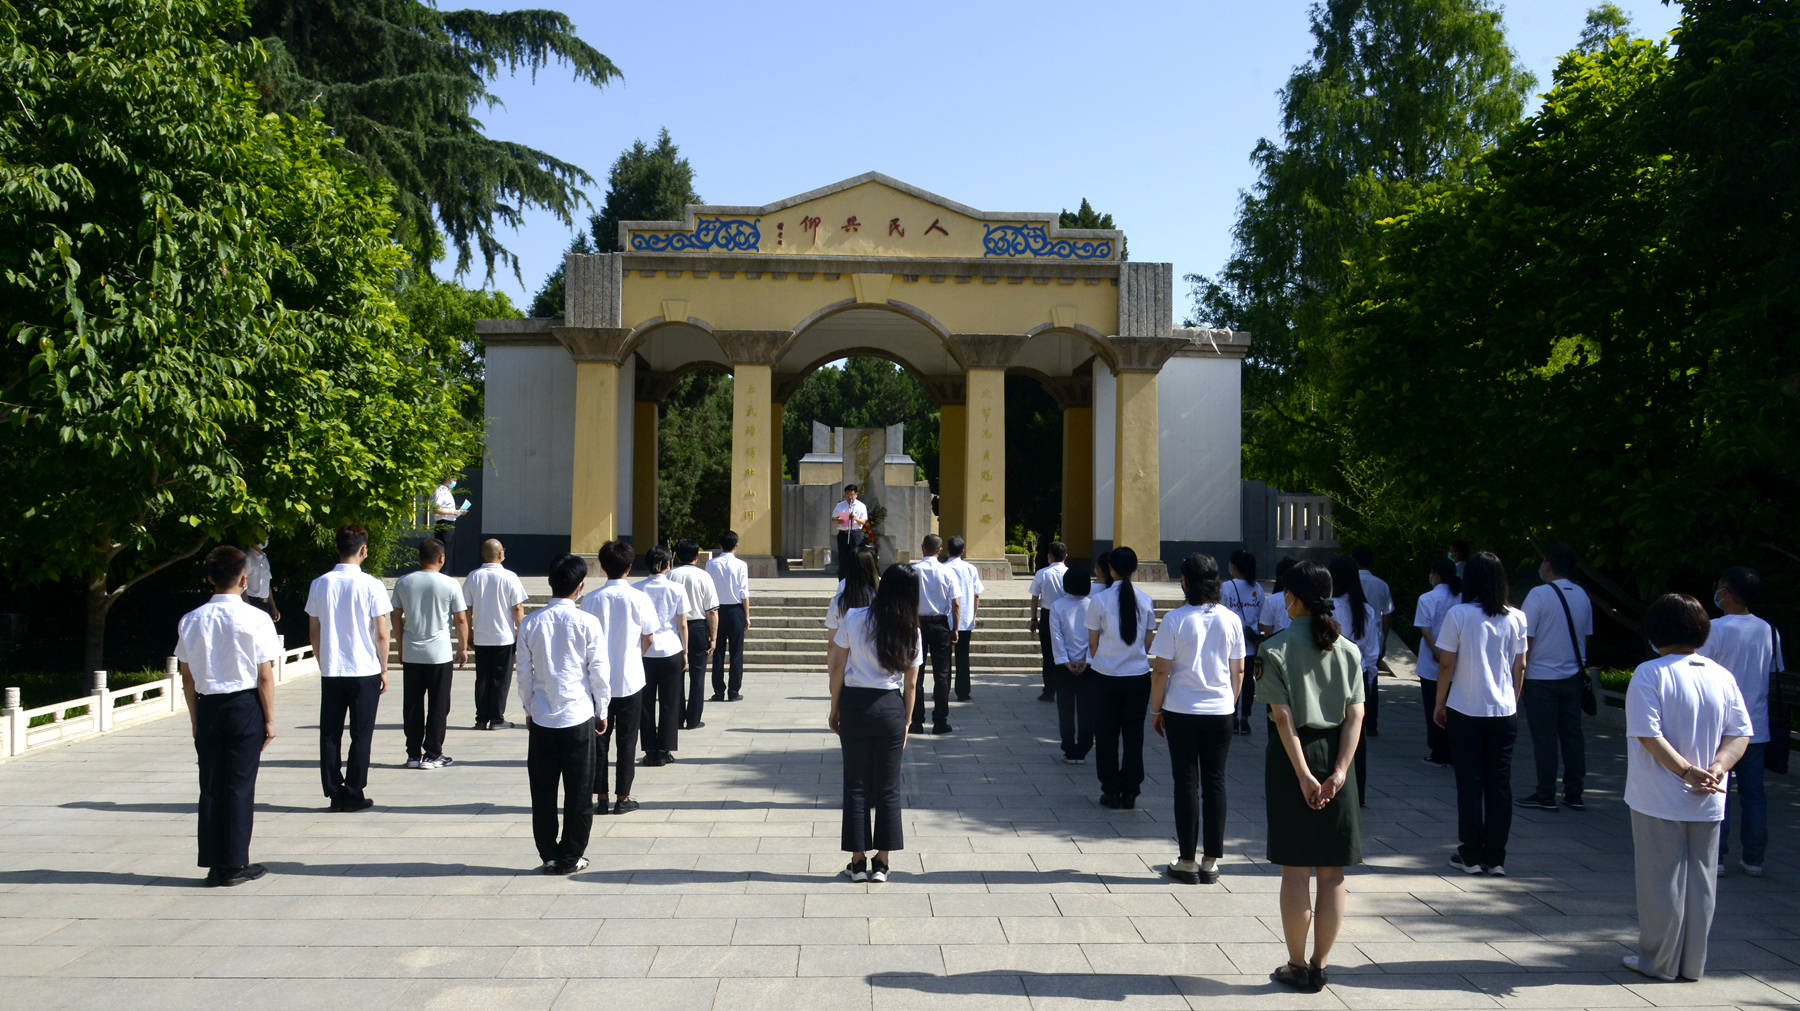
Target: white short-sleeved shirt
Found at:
1746, 646
669, 600
427, 602
1429, 615
1274, 612
1047, 584
1200, 641
1376, 589
862, 667
1068, 629
1692, 703
1115, 657
731, 578
443, 501
223, 641
968, 586
560, 666
1369, 643
702, 595
1485, 646
937, 588
492, 591
627, 615
1245, 600
257, 579
848, 515
1552, 654
347, 601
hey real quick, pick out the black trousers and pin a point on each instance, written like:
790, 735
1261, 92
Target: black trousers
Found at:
357, 697
445, 531
872, 735
848, 541
1247, 697
1481, 748
1074, 709
621, 738
261, 604
425, 707
935, 629
1437, 740
963, 639
1553, 711
732, 619
493, 677
661, 718
1120, 704
228, 740
1052, 669
1198, 746
697, 657
561, 757
1371, 700
1371, 707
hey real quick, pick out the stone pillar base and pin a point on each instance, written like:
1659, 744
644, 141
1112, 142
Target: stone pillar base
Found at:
992, 569
761, 566
1151, 571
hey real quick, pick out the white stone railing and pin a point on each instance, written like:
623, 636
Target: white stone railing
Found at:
104, 710
1303, 521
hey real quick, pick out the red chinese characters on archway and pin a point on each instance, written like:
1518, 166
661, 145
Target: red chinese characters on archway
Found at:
896, 227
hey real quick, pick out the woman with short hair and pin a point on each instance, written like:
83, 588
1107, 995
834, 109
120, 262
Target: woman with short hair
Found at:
1428, 618
1244, 595
874, 681
1689, 725
1196, 672
1312, 682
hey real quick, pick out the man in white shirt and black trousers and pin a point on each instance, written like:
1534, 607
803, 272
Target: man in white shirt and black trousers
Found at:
847, 518
629, 620
565, 687
1047, 589
259, 580
227, 651
496, 607
702, 625
940, 612
347, 621
444, 515
731, 581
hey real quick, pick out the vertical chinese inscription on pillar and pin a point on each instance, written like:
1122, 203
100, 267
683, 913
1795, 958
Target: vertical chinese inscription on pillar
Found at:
749, 429
987, 434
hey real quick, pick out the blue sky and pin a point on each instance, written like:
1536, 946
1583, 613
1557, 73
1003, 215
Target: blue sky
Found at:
1147, 108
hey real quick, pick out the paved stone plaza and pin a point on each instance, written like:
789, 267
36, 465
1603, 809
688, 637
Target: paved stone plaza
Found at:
1015, 889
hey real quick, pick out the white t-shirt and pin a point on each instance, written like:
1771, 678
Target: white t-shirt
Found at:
492, 591
1552, 654
937, 588
702, 595
731, 578
1692, 703
1485, 646
968, 586
847, 515
347, 601
1746, 646
443, 505
1246, 600
257, 579
1429, 615
428, 602
1200, 641
1375, 588
626, 615
862, 667
669, 600
1274, 612
1068, 629
1047, 584
1115, 657
223, 641
1369, 643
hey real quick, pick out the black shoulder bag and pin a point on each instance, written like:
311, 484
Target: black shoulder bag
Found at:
1589, 703
1775, 755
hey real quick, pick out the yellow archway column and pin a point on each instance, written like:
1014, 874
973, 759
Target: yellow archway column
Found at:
776, 463
594, 509
1137, 475
953, 424
1078, 481
984, 465
643, 475
750, 410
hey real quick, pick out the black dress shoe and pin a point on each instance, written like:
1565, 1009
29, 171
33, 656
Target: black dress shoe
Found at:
625, 806
216, 877
941, 728
717, 697
962, 698
1109, 800
651, 761
362, 804
1127, 801
696, 725
481, 725
734, 697
917, 728
1047, 697
233, 878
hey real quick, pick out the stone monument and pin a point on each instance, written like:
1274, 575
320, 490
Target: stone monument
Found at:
875, 460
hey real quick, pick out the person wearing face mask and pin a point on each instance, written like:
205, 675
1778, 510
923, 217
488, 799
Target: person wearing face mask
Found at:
444, 515
1750, 649
259, 585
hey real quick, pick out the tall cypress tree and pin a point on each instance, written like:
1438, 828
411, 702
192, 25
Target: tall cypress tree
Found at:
400, 82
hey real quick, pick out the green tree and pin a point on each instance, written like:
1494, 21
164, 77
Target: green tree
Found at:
401, 81
1086, 217
693, 496
1602, 25
646, 184
200, 339
441, 312
862, 393
1399, 96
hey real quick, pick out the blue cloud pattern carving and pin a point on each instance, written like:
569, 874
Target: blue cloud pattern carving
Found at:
1034, 240
729, 234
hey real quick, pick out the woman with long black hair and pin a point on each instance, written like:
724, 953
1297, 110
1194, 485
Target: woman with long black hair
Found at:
1312, 682
874, 680
1356, 618
1120, 622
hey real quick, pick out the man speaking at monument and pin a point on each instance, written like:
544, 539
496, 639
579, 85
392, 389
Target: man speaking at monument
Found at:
847, 518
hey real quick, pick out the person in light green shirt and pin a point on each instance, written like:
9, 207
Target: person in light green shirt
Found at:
428, 608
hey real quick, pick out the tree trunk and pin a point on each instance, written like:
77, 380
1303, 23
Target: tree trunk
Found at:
99, 602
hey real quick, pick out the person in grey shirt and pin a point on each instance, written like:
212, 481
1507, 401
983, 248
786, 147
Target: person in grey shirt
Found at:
428, 607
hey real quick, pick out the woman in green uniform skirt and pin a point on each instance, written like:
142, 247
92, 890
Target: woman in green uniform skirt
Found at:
1312, 681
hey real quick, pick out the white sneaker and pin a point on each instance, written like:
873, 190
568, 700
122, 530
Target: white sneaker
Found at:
1633, 963
1754, 870
429, 763
413, 763
1496, 871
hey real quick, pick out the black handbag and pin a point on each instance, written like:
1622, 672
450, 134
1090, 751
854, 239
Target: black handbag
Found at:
1775, 754
1590, 704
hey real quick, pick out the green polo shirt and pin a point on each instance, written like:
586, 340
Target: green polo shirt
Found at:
1319, 687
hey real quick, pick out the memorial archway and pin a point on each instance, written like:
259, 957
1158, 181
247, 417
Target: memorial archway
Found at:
961, 297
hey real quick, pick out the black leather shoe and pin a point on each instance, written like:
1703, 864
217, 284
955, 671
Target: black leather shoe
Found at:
941, 728
696, 725
717, 697
734, 697
917, 728
1127, 801
625, 807
1109, 800
231, 879
363, 804
1047, 697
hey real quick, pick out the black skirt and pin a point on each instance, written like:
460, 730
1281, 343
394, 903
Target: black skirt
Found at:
1298, 835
